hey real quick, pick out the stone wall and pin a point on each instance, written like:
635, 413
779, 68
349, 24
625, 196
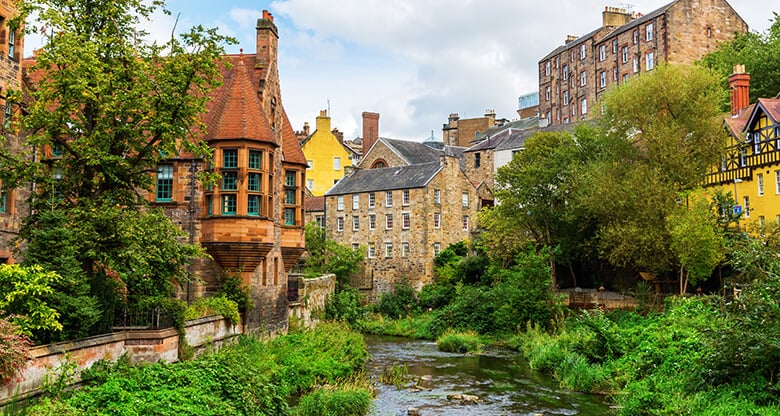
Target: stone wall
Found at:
381, 152
312, 295
141, 346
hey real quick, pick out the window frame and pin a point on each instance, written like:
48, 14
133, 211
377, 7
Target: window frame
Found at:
164, 182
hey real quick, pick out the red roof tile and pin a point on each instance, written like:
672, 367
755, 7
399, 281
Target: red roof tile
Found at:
772, 107
314, 203
291, 148
737, 124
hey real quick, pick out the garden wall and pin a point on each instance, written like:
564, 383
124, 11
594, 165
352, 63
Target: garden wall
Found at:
140, 344
312, 295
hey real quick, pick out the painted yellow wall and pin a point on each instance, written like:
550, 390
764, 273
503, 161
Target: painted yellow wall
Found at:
321, 149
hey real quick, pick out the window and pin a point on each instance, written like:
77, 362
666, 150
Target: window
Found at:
310, 184
355, 246
372, 222
388, 221
636, 64
624, 54
566, 98
709, 32
547, 68
289, 178
761, 220
614, 45
777, 182
437, 196
371, 200
336, 163
11, 44
57, 149
760, 181
602, 52
355, 223
253, 181
614, 74
649, 61
355, 201
309, 164
340, 224
635, 37
229, 181
405, 197
319, 220
477, 159
164, 182
371, 251
436, 249
742, 157
547, 93
228, 205
289, 196
582, 52
649, 32
3, 200
289, 216
256, 159
406, 221
253, 205
565, 72
464, 198
625, 77
388, 250
230, 158
340, 203
465, 223
584, 106
756, 142
436, 220
389, 198
583, 78
603, 79
404, 249
746, 207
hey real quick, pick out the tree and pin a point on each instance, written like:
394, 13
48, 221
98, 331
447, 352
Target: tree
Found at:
328, 256
758, 52
104, 109
13, 350
696, 240
21, 298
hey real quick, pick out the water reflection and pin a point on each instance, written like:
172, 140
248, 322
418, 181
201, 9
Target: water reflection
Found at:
504, 386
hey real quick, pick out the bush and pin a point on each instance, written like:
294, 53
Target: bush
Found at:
462, 342
216, 305
13, 350
344, 400
345, 306
233, 288
436, 295
400, 303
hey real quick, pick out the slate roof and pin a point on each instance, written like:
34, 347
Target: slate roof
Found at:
738, 123
494, 136
386, 179
412, 152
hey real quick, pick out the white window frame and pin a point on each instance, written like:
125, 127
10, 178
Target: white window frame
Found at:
583, 78
337, 163
760, 183
437, 196
602, 53
615, 46
746, 206
371, 251
635, 36
404, 249
583, 52
340, 203
636, 64
464, 199
310, 184
389, 199
406, 220
566, 97
584, 106
565, 72
371, 199
437, 220
649, 32
388, 250
547, 93
356, 201
465, 223
372, 222
388, 221
777, 182
649, 61
340, 224
436, 249
547, 68
405, 199
355, 223
624, 54
603, 79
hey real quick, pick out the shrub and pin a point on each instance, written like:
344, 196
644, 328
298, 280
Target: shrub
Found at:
574, 372
13, 350
401, 302
233, 287
216, 305
347, 400
345, 306
462, 342
436, 295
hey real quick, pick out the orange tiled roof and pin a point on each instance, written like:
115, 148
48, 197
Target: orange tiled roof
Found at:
772, 107
314, 203
235, 112
737, 124
291, 148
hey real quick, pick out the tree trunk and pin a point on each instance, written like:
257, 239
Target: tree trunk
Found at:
573, 277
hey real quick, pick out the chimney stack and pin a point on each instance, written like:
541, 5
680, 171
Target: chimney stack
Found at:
614, 16
370, 130
306, 128
739, 84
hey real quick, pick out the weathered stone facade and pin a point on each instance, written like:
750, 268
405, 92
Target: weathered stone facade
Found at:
462, 132
402, 217
573, 76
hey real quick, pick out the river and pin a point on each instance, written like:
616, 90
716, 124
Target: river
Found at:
504, 384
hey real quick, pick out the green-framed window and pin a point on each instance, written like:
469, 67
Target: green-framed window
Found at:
57, 149
230, 158
289, 216
289, 196
253, 182
229, 204
255, 159
209, 205
289, 178
229, 181
164, 183
253, 205
3, 200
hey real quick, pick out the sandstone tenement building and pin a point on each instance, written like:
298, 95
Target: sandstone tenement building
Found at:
573, 76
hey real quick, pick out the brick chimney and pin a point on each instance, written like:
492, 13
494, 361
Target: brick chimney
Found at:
739, 84
306, 128
370, 130
614, 16
267, 41
323, 121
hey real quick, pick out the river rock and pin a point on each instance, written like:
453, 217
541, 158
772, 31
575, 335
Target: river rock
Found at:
412, 411
463, 398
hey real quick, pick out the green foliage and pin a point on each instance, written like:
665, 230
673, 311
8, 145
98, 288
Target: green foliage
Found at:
13, 350
328, 256
456, 341
234, 288
757, 52
215, 305
416, 327
399, 303
22, 298
342, 400
395, 375
345, 305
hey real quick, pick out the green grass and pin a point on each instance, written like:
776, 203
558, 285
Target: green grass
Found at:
456, 341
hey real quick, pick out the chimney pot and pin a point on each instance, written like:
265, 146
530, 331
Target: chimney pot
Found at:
739, 84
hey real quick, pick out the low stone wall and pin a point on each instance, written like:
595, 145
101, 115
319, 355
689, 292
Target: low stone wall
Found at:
140, 344
312, 295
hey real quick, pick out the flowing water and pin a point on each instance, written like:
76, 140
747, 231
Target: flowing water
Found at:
504, 384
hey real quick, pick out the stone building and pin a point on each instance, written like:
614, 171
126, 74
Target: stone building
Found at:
573, 76
462, 132
13, 200
251, 223
402, 217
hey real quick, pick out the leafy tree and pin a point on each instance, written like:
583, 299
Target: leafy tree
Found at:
758, 52
108, 107
696, 240
21, 293
328, 256
13, 350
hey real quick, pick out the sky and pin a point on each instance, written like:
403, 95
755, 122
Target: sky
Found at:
414, 62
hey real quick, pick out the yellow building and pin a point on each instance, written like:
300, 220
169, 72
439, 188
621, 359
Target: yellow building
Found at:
750, 168
327, 157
